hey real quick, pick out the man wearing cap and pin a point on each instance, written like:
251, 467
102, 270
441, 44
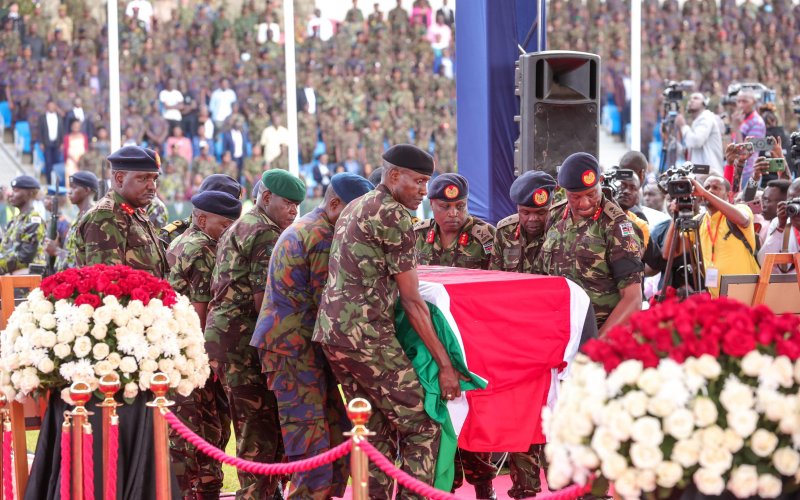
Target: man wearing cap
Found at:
453, 237
116, 230
520, 236
312, 415
237, 289
192, 258
214, 182
82, 191
372, 263
594, 244
21, 245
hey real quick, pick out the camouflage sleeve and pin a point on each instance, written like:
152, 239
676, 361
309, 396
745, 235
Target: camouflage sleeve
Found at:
100, 241
258, 258
395, 232
25, 248
496, 259
624, 253
318, 260
195, 274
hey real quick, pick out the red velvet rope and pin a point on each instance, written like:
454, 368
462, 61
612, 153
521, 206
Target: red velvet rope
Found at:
88, 466
66, 462
570, 493
255, 467
113, 452
8, 486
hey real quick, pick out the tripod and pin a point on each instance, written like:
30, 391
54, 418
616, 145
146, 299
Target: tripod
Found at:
685, 227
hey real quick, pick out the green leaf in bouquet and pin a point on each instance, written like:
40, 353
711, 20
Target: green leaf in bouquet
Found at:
600, 487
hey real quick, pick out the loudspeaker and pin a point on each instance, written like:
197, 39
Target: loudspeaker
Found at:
559, 93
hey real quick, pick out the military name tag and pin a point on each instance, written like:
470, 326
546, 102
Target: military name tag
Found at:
511, 253
487, 247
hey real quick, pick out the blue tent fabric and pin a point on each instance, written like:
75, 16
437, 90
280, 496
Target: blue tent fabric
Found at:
487, 41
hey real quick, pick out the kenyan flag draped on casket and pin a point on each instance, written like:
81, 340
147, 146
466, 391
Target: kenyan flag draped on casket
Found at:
518, 332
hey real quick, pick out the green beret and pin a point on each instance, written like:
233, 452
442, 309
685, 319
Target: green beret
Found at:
284, 184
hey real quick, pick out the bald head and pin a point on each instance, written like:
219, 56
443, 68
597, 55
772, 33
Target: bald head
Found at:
636, 161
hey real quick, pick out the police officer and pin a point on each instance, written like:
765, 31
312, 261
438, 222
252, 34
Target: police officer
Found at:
593, 243
313, 417
83, 188
21, 245
191, 258
237, 289
116, 230
520, 236
453, 237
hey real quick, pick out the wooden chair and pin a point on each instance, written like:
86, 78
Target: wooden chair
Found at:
770, 260
7, 304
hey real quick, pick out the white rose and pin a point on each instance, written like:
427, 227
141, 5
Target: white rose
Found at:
668, 474
45, 365
769, 486
560, 474
128, 364
786, 461
708, 482
604, 443
41, 307
635, 403
102, 368
100, 351
647, 430
154, 334
61, 350
797, 371
153, 352
650, 381
619, 424
121, 317
705, 412
135, 307
166, 365
736, 396
66, 396
778, 373
48, 322
613, 466
29, 381
763, 442
99, 331
743, 422
175, 378
114, 359
732, 441
48, 339
185, 388
708, 367
645, 456
131, 390
148, 365
679, 424
27, 328
625, 485
660, 407
753, 362
712, 436
102, 315
585, 457
789, 423
718, 460
147, 317
80, 329
82, 347
65, 335
744, 481
628, 371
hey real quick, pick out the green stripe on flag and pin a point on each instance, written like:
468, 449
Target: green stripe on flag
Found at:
428, 373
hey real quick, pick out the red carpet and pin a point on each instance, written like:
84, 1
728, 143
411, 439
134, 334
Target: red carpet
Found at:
501, 485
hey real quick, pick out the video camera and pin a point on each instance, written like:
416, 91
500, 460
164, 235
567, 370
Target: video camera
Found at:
611, 178
673, 94
762, 93
794, 150
793, 207
676, 182
796, 105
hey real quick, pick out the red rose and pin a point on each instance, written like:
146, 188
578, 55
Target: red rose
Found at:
140, 294
737, 343
788, 349
88, 298
101, 283
63, 291
113, 289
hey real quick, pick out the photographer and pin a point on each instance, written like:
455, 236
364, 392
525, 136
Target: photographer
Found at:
761, 169
726, 233
703, 138
746, 122
780, 238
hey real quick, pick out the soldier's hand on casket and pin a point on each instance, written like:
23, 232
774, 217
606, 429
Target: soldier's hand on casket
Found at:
449, 379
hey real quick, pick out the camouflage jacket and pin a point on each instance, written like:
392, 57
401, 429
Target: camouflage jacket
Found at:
471, 250
113, 232
243, 254
157, 213
600, 253
171, 231
373, 241
22, 242
298, 271
514, 250
66, 258
191, 258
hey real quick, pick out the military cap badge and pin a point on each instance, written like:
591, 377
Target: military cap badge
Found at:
588, 178
540, 197
451, 192
158, 160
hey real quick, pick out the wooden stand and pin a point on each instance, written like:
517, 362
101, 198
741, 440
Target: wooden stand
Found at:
770, 260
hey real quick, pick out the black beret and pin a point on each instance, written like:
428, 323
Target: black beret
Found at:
410, 157
85, 179
448, 187
375, 176
135, 158
579, 172
218, 202
532, 189
221, 182
25, 182
284, 184
349, 186
51, 191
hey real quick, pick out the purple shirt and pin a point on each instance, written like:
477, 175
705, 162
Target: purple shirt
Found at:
752, 126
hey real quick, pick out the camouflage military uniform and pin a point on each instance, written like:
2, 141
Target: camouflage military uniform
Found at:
313, 417
22, 242
512, 250
373, 241
471, 250
66, 257
113, 232
191, 260
600, 253
243, 254
171, 231
157, 213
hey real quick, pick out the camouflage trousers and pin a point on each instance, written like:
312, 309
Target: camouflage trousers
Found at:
313, 420
205, 412
254, 412
525, 469
474, 466
385, 377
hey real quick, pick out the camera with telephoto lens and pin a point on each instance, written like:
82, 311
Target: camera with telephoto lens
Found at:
796, 104
793, 207
612, 177
761, 92
677, 183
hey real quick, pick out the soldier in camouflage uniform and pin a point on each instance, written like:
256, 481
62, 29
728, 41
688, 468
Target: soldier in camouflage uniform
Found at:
455, 238
191, 259
372, 263
82, 192
21, 245
594, 244
313, 417
116, 230
237, 288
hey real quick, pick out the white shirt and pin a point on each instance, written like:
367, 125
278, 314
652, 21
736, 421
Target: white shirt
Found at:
312, 100
263, 28
774, 244
440, 36
78, 112
171, 98
325, 28
221, 104
238, 146
271, 140
52, 126
208, 129
145, 11
704, 142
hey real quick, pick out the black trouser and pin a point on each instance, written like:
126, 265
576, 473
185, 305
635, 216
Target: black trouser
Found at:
52, 154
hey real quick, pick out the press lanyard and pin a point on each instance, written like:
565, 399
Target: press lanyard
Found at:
716, 232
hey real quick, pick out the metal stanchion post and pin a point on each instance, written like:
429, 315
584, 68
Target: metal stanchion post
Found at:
159, 385
109, 385
80, 393
359, 410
